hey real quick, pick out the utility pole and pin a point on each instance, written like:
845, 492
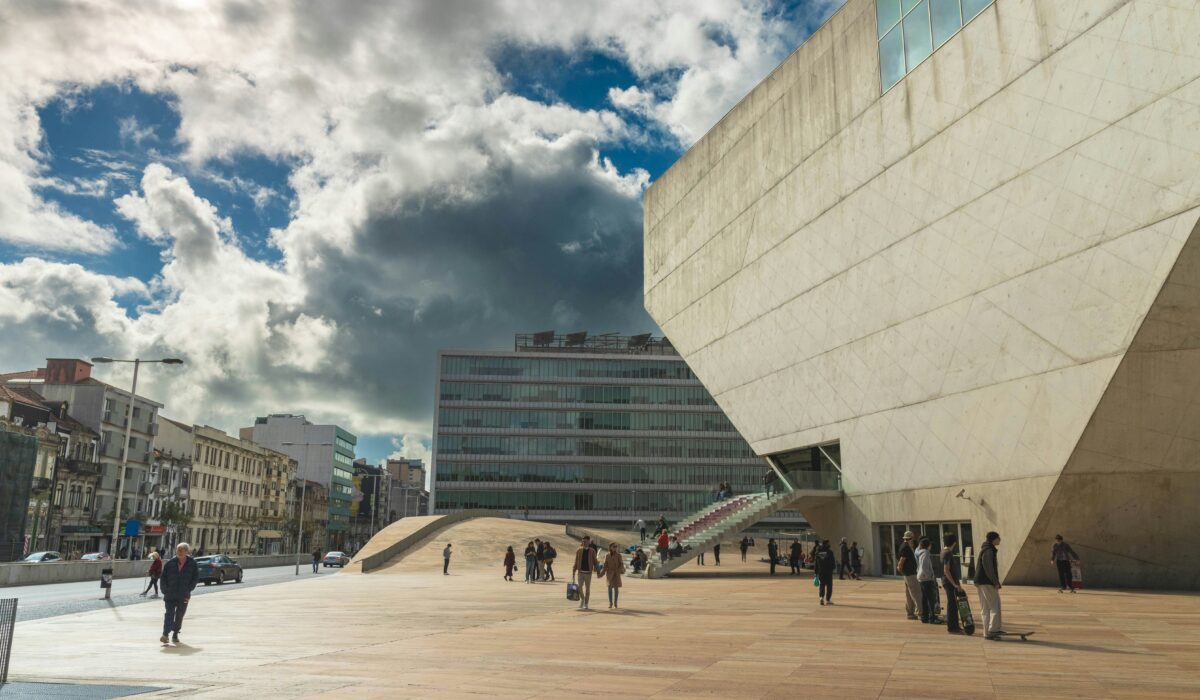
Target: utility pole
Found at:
137, 363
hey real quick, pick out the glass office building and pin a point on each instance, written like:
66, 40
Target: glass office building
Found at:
583, 429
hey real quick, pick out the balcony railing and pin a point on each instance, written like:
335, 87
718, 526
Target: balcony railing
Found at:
80, 467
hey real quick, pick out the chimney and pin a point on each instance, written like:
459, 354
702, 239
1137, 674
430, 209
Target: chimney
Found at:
67, 371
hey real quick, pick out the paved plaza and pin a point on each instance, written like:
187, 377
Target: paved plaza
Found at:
407, 631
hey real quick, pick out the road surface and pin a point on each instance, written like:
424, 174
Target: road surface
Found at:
53, 599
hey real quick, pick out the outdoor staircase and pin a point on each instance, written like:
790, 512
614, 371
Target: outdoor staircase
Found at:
700, 531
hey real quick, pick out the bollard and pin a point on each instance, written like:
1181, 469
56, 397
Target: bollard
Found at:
106, 582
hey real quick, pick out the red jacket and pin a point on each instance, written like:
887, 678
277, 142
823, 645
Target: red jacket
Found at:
663, 541
156, 567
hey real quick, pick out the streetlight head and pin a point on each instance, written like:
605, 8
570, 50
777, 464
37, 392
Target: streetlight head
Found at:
101, 360
172, 361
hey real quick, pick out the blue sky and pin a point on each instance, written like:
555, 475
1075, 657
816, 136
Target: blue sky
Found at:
307, 207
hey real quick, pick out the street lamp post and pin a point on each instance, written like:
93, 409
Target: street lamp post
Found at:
137, 363
303, 493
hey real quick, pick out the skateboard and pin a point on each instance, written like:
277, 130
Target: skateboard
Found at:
1022, 635
965, 618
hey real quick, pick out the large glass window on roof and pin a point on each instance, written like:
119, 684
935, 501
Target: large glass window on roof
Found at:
911, 30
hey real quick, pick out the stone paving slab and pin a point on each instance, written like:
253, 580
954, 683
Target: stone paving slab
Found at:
409, 632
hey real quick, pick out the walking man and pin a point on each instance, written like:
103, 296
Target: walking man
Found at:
823, 564
179, 578
446, 560
950, 582
744, 545
582, 570
768, 480
641, 528
316, 556
772, 553
844, 560
906, 566
717, 553
794, 559
1061, 555
987, 582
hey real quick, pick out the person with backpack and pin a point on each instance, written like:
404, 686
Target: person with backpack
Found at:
530, 563
906, 566
950, 582
549, 554
824, 564
744, 545
510, 560
772, 553
928, 582
581, 572
987, 583
794, 559
154, 572
614, 566
1061, 555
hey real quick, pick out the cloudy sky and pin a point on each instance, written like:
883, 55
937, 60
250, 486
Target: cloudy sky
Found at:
306, 200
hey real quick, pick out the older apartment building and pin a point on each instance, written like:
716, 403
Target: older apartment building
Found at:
237, 494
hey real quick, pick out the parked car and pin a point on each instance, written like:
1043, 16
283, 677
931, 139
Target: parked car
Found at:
95, 556
338, 559
218, 568
43, 557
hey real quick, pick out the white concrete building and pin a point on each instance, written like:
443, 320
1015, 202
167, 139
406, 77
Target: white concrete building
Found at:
970, 258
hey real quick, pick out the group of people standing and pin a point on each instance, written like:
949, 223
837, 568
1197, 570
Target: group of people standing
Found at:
539, 562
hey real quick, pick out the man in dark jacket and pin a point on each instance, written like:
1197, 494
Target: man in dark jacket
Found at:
823, 563
769, 479
987, 582
794, 558
1061, 555
179, 577
844, 560
772, 553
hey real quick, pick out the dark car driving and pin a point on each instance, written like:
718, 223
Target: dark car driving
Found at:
218, 568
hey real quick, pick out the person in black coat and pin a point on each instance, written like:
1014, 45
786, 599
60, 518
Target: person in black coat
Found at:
824, 563
844, 562
794, 559
179, 577
772, 553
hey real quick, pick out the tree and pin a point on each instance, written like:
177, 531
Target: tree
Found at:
174, 515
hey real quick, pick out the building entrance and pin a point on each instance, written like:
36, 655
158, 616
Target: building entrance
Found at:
891, 536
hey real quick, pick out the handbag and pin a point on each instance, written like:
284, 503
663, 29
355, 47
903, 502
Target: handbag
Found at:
572, 591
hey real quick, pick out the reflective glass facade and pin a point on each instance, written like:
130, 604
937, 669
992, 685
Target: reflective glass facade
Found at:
911, 30
583, 437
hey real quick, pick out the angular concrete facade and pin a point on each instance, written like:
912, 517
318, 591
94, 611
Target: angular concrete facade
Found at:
985, 280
